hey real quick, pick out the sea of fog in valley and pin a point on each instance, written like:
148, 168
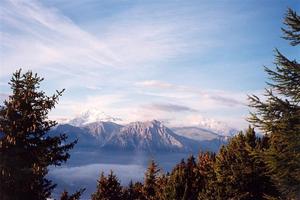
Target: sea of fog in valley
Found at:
84, 167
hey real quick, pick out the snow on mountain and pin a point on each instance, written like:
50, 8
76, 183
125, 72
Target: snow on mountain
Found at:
102, 130
202, 124
217, 127
197, 133
148, 136
205, 129
91, 116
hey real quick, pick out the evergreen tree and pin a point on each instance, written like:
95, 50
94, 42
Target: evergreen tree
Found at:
26, 148
208, 180
184, 181
292, 21
177, 182
134, 191
279, 116
108, 188
162, 181
240, 174
129, 192
76, 196
193, 179
150, 185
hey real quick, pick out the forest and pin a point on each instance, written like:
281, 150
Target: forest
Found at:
250, 166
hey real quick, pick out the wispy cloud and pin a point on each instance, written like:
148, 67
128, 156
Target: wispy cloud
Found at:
42, 37
103, 103
169, 107
154, 84
227, 100
217, 98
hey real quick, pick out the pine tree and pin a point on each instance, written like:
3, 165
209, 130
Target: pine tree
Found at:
292, 21
207, 176
76, 196
183, 182
134, 191
150, 185
129, 192
240, 174
108, 188
193, 179
279, 116
26, 148
161, 182
177, 182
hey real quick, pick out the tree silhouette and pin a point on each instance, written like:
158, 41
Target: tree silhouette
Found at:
26, 148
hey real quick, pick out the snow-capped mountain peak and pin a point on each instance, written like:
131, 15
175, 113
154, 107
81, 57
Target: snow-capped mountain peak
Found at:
91, 116
218, 127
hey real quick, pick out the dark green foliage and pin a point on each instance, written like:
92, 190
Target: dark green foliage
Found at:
192, 180
134, 192
279, 116
240, 174
208, 179
176, 184
108, 188
76, 196
150, 184
292, 21
184, 181
162, 181
26, 148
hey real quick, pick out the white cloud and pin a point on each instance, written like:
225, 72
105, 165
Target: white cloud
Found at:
43, 37
169, 107
76, 107
154, 84
34, 36
208, 98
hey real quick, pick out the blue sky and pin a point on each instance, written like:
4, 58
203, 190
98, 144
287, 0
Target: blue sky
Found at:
176, 61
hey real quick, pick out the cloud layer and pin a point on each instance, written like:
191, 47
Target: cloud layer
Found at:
173, 61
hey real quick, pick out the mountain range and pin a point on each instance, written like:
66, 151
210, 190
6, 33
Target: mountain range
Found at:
149, 136
206, 124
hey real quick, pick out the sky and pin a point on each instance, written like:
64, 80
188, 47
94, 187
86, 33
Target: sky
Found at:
181, 62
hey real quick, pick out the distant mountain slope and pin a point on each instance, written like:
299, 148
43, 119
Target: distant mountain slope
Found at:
85, 139
102, 131
197, 133
146, 136
150, 136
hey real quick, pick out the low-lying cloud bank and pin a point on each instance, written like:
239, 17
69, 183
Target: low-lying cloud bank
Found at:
91, 172
86, 176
